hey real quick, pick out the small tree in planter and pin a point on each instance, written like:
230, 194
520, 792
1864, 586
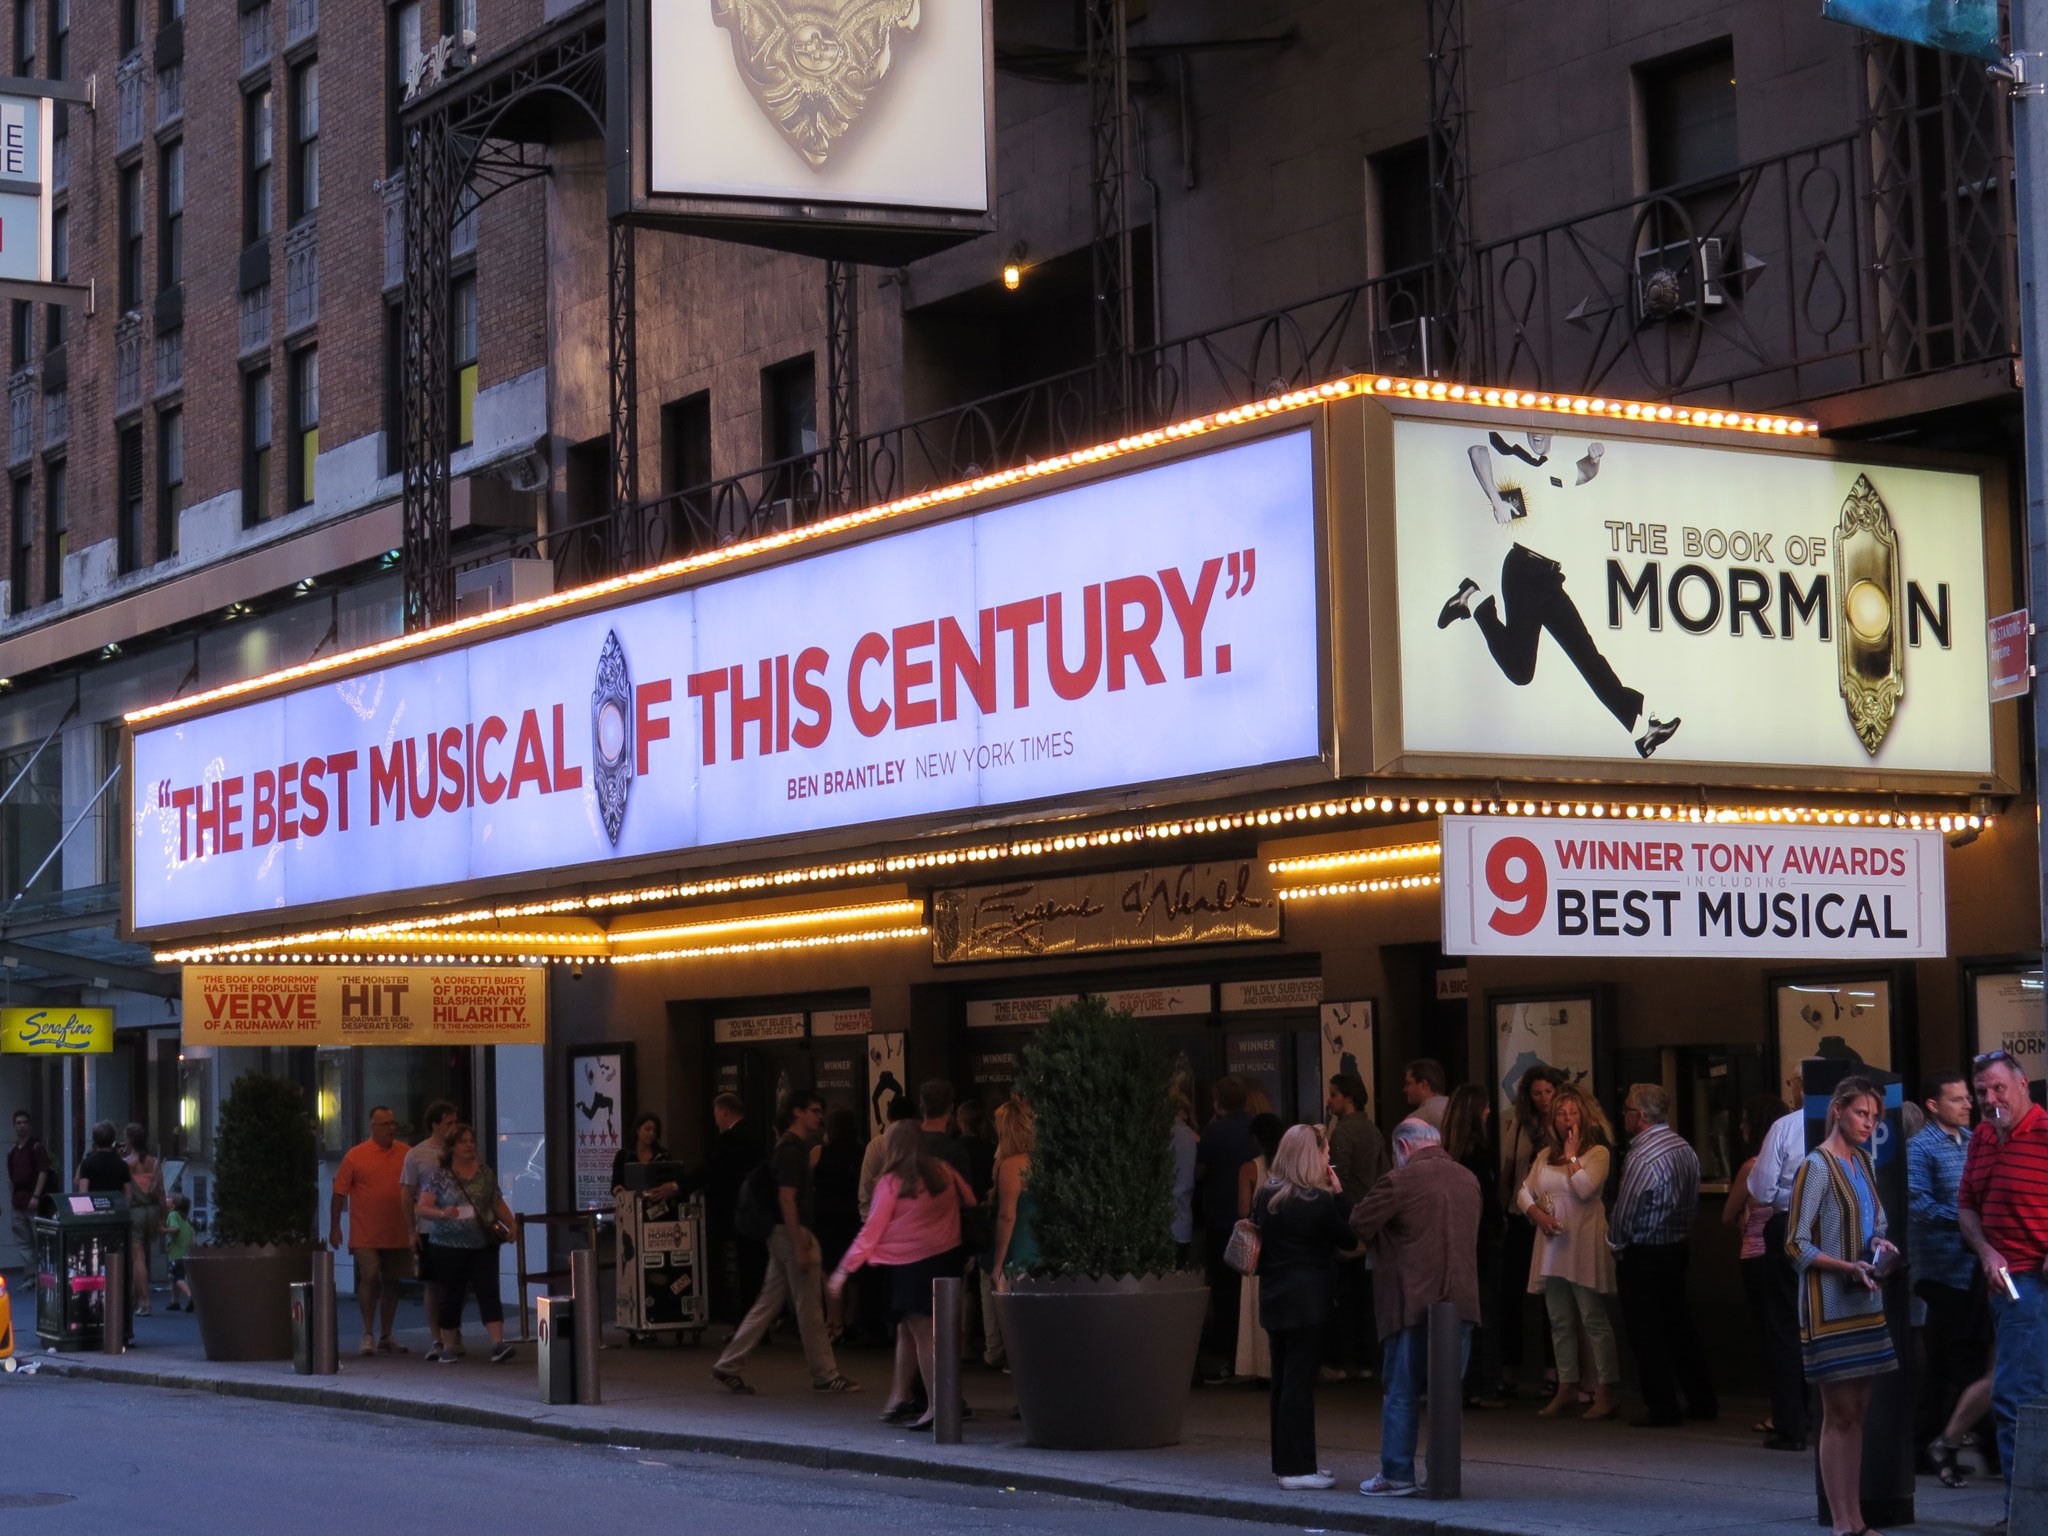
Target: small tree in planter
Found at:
1105, 1328
266, 1194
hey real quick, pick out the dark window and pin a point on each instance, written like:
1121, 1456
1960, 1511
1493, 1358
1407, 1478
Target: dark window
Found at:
1401, 206
170, 231
60, 48
56, 538
60, 271
129, 525
131, 236
255, 446
1688, 104
31, 821
686, 443
171, 10
21, 320
462, 356
131, 26
403, 49
305, 420
24, 37
21, 558
789, 428
170, 478
305, 177
256, 158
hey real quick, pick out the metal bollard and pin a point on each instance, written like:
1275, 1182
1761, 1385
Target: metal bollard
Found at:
322, 1322
945, 1382
1446, 1401
114, 1301
583, 1291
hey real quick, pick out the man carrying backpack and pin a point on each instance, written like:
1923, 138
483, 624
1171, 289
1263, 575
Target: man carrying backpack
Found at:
777, 1202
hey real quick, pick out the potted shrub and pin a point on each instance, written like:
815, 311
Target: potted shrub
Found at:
266, 1171
1102, 1331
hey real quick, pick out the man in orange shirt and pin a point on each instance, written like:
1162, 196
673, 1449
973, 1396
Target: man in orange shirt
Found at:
366, 1184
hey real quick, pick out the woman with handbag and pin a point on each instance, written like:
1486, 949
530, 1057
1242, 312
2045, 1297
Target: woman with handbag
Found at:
467, 1219
1301, 1224
914, 1229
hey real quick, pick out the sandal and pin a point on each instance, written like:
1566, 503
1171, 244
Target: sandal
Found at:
1943, 1456
1763, 1427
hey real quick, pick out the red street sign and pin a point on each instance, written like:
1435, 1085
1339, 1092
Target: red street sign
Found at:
2011, 676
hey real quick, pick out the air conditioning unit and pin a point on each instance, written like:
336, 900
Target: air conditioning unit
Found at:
1670, 277
500, 584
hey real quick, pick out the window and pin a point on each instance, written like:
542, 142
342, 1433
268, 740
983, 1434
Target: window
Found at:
56, 541
24, 37
402, 53
170, 233
255, 446
1688, 117
31, 820
128, 527
462, 348
171, 10
21, 320
305, 168
1401, 235
170, 478
789, 426
21, 559
686, 443
131, 236
60, 271
256, 157
305, 420
131, 27
60, 47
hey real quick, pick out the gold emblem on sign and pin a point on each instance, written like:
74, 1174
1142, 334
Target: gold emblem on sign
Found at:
1868, 602
813, 65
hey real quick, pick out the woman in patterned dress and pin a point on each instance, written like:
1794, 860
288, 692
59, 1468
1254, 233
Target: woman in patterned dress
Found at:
1836, 1240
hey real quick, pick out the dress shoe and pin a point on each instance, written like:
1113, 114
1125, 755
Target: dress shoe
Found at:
1460, 605
1655, 734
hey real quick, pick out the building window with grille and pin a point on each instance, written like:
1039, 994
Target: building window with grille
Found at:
21, 561
255, 446
128, 527
462, 346
131, 236
170, 478
305, 422
404, 47
256, 163
24, 37
170, 234
56, 538
305, 167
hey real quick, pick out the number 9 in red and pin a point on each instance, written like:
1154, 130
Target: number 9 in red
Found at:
1523, 893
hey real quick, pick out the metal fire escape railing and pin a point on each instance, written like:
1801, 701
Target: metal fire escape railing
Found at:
1450, 195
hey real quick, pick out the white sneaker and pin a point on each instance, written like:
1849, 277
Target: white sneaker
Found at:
1308, 1480
1377, 1487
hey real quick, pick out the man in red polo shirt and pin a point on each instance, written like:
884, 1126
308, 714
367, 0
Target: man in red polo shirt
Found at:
367, 1187
2002, 1210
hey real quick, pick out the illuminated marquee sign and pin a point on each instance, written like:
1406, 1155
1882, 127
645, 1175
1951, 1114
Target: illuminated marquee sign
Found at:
1138, 630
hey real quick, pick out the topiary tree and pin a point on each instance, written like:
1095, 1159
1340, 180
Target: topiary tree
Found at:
266, 1166
1102, 1176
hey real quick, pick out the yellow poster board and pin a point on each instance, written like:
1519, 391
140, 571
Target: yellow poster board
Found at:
365, 1005
56, 1031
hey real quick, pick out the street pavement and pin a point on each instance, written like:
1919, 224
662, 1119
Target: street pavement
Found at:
1522, 1474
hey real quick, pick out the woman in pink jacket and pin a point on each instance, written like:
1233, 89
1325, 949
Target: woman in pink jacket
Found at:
913, 1231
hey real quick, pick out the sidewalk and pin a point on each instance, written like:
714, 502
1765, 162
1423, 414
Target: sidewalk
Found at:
1522, 1474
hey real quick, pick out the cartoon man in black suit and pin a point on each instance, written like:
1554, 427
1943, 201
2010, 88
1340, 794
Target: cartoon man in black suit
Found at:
1532, 599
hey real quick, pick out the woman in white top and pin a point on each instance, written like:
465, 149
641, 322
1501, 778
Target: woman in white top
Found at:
1572, 1267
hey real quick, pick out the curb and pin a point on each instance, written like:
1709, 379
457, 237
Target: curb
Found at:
1313, 1511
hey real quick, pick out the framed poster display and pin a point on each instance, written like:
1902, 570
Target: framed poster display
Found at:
1565, 1027
888, 1079
1837, 1015
600, 1099
1347, 1041
2002, 1009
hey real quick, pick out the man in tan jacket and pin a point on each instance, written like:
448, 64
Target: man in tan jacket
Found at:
1421, 1223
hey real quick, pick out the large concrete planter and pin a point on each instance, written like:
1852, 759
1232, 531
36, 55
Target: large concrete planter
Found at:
1103, 1365
244, 1299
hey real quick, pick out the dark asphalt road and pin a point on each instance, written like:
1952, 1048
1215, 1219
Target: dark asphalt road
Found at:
81, 1457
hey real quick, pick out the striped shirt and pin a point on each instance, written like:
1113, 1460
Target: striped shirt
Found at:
1660, 1190
2006, 1184
1934, 1174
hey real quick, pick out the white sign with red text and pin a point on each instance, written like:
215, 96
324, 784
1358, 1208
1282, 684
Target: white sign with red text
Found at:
1650, 889
1156, 626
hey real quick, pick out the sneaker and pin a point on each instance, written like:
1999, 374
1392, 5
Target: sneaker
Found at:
1308, 1480
435, 1355
732, 1381
1378, 1487
503, 1352
835, 1384
445, 1358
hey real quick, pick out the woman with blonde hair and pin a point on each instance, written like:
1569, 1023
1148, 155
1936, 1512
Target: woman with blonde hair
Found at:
1572, 1267
914, 1229
1012, 1234
1836, 1240
1303, 1224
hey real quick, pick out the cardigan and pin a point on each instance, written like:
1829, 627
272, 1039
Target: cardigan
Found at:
1826, 1219
1579, 1253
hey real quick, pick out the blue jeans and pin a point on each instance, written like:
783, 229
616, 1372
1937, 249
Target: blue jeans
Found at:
2020, 1373
1404, 1372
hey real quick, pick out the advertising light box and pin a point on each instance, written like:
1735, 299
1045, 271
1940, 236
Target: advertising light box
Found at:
1156, 626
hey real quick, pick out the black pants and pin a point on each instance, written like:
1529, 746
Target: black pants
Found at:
1776, 1294
1224, 1285
467, 1269
1518, 1246
1954, 1351
1658, 1318
1297, 1355
1532, 592
1482, 1366
1353, 1337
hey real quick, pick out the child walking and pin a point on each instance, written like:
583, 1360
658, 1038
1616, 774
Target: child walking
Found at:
178, 1237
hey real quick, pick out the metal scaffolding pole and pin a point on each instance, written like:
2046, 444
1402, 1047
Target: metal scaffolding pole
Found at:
1450, 201
626, 551
429, 582
1109, 139
844, 486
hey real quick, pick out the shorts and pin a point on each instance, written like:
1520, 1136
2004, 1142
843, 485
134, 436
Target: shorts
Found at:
382, 1263
177, 1271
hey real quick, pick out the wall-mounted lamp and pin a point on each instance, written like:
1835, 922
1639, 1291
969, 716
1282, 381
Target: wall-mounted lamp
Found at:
1013, 269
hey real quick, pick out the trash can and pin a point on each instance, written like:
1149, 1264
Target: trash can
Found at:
557, 1349
72, 1305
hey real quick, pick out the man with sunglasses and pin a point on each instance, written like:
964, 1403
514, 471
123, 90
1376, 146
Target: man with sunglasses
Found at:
2002, 1210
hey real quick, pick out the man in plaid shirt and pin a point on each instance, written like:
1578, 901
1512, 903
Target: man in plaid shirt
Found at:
1660, 1192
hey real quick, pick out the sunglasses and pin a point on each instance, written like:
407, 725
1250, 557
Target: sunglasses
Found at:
1989, 1057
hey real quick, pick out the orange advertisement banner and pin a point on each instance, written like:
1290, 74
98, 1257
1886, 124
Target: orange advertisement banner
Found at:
365, 1005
